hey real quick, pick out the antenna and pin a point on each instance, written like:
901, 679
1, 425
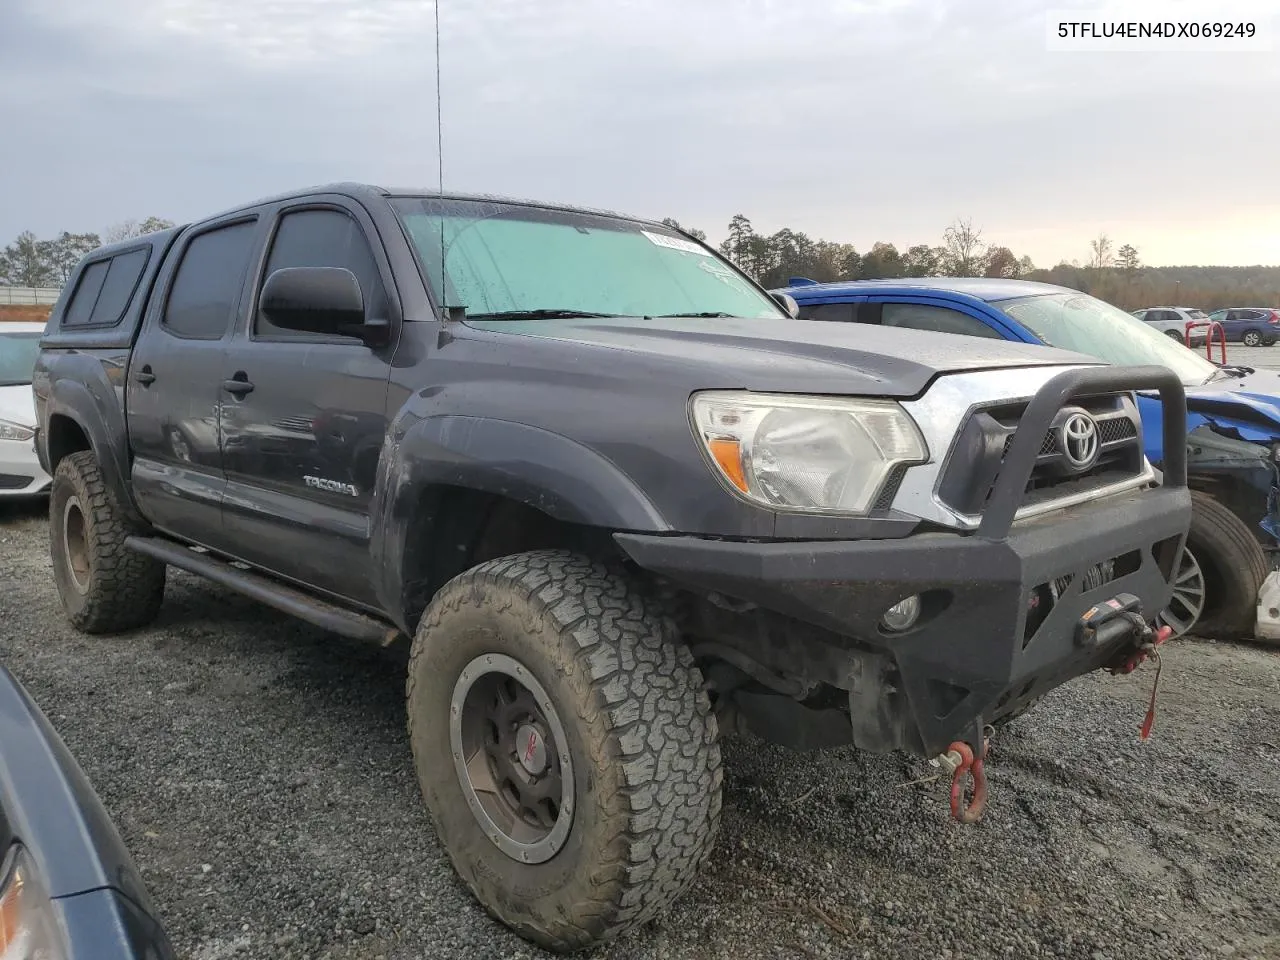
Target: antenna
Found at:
444, 285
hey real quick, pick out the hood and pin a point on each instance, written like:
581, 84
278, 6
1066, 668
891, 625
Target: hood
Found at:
18, 404
782, 355
1252, 401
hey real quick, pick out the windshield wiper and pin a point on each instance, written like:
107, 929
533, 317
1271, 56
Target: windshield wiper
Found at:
705, 313
546, 314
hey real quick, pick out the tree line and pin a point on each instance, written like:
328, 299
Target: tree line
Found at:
1116, 275
32, 262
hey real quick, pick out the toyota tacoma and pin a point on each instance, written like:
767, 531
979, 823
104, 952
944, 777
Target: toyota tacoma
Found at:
617, 498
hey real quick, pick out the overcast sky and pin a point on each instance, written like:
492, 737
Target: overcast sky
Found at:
853, 120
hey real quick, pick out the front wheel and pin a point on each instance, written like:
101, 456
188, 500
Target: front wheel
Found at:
1252, 338
565, 746
1219, 575
1174, 335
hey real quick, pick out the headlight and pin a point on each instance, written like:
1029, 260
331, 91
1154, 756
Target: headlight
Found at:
806, 453
15, 431
28, 929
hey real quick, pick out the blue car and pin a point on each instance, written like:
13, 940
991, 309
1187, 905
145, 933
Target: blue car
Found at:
1252, 326
1233, 422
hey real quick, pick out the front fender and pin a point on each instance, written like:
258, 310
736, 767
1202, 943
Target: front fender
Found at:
80, 391
544, 470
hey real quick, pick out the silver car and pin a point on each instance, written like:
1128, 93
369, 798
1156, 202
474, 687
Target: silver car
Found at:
20, 471
1172, 322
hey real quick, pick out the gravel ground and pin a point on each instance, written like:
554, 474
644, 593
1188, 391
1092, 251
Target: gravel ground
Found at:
259, 771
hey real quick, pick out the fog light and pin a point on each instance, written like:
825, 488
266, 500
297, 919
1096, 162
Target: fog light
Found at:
902, 615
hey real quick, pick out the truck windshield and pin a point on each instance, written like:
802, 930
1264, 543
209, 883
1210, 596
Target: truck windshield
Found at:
509, 261
1076, 321
17, 357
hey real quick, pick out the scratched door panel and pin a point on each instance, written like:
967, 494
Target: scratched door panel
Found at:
300, 453
304, 420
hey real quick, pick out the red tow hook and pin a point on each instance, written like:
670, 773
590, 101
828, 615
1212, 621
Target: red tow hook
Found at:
961, 755
1147, 651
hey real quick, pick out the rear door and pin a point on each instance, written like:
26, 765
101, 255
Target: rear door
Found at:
303, 416
173, 395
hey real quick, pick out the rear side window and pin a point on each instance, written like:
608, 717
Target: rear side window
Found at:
105, 290
323, 238
838, 312
206, 288
80, 309
920, 316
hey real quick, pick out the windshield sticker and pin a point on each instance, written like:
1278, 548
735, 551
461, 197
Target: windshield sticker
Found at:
723, 274
675, 243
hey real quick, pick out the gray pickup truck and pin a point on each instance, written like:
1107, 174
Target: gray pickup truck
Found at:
619, 500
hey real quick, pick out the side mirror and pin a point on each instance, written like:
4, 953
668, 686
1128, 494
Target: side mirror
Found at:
324, 300
787, 303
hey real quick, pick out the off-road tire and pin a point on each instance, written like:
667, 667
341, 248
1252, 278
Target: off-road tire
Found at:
118, 589
1234, 567
640, 731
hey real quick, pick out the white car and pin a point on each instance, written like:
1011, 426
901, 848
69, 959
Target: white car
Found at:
20, 471
1172, 321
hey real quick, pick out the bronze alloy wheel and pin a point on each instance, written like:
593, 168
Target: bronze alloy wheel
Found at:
511, 756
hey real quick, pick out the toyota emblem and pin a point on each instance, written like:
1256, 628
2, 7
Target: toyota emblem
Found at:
1080, 441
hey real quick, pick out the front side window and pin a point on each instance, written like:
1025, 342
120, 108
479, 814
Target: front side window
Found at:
206, 289
323, 238
503, 260
17, 357
1076, 321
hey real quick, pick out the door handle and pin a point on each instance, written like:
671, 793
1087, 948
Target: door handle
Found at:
145, 376
237, 387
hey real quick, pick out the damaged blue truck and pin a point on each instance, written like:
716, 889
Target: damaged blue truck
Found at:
1233, 422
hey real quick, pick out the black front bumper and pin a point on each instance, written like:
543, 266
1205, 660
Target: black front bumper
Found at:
994, 634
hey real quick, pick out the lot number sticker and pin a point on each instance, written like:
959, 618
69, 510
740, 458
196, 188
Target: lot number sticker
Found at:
675, 243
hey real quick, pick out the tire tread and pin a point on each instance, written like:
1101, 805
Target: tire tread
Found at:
661, 731
126, 588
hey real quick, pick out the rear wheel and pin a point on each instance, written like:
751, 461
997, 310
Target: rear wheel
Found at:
565, 746
1219, 575
1174, 335
105, 587
1252, 338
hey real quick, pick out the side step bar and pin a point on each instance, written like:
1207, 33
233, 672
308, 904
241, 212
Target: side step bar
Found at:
304, 606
